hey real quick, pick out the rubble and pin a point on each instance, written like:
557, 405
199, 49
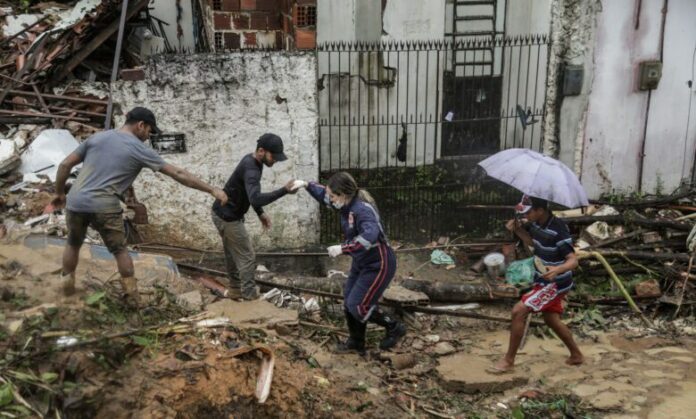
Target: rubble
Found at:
646, 243
9, 157
192, 300
54, 43
46, 152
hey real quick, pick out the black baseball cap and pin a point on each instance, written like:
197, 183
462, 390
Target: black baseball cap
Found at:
143, 114
272, 143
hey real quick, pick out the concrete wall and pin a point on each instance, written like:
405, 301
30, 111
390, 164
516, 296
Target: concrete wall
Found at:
618, 112
223, 103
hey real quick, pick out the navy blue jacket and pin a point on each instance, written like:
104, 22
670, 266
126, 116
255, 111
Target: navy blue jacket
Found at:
243, 189
360, 223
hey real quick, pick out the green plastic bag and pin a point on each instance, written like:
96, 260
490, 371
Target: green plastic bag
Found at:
520, 273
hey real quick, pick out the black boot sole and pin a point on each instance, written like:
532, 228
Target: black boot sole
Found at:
395, 336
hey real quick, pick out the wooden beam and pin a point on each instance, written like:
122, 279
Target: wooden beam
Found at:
12, 120
39, 114
61, 97
99, 39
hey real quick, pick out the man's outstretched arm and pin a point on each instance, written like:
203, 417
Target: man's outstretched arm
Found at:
188, 179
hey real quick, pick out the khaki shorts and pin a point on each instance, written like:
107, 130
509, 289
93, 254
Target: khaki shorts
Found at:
109, 226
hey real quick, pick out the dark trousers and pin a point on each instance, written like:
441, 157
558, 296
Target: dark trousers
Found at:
367, 282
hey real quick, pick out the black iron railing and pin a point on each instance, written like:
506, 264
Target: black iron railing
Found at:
410, 120
396, 104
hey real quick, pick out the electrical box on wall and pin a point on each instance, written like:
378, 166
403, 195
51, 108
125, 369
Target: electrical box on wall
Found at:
168, 143
572, 80
650, 73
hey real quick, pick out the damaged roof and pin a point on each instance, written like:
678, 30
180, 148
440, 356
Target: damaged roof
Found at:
50, 42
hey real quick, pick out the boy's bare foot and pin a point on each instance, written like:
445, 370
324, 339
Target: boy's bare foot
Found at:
501, 367
575, 360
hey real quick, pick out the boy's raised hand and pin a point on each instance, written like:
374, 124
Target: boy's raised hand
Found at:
513, 225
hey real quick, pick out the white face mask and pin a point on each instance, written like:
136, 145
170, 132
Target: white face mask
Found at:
337, 205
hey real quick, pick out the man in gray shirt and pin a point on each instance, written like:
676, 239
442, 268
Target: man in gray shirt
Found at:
111, 162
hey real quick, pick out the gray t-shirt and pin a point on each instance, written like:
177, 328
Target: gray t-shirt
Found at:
111, 162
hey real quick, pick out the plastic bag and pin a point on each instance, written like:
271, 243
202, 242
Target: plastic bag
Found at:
520, 273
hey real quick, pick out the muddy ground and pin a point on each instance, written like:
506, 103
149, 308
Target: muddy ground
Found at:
158, 370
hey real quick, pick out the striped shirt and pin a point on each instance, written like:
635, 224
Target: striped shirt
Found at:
552, 243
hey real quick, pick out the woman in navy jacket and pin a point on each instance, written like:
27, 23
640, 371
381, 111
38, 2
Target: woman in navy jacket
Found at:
374, 263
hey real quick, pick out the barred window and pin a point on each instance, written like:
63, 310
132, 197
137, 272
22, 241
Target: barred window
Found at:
306, 16
218, 41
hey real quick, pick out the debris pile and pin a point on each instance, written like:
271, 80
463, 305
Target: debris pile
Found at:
648, 243
51, 43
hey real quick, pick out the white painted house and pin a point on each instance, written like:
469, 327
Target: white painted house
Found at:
617, 137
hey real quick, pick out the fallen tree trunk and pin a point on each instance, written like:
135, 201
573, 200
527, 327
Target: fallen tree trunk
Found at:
452, 292
438, 292
328, 285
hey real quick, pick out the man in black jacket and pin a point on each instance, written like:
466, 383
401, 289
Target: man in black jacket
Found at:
244, 190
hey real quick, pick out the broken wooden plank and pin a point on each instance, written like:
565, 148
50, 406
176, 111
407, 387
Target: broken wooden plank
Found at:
63, 109
40, 99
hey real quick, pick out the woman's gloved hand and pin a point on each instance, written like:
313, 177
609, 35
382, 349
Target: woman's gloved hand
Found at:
335, 250
298, 184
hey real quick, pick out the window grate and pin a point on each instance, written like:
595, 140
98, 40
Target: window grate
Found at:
306, 16
218, 41
217, 4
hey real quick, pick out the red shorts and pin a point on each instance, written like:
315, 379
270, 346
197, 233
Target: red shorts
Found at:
545, 299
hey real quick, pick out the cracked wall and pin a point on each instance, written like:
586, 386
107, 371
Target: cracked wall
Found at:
223, 103
573, 25
615, 136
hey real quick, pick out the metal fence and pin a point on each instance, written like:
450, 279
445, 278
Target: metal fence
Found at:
397, 114
396, 104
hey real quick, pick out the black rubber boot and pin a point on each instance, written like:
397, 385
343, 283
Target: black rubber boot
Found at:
356, 341
395, 330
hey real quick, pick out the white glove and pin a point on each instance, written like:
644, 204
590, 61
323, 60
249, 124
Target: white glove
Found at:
299, 184
334, 251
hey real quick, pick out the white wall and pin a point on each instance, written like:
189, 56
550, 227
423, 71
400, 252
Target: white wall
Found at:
617, 111
335, 20
667, 139
166, 10
223, 103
